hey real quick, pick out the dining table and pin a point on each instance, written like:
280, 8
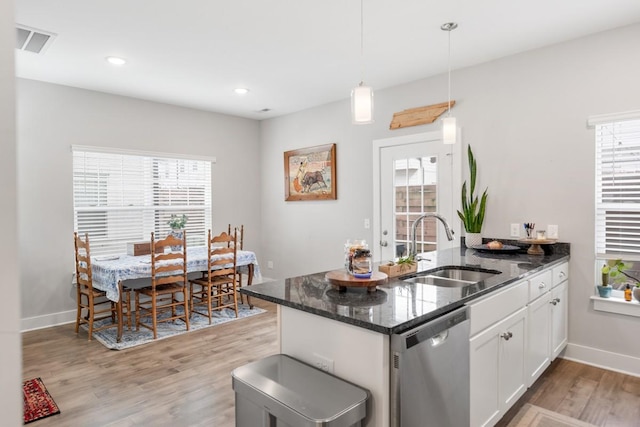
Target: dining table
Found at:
110, 271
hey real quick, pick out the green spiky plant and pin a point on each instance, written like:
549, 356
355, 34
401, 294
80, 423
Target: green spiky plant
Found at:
472, 214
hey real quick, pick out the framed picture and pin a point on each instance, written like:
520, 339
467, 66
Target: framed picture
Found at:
310, 173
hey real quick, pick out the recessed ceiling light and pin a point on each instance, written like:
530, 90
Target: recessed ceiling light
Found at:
241, 90
114, 60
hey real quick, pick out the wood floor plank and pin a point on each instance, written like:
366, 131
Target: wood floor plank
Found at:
186, 380
597, 396
180, 381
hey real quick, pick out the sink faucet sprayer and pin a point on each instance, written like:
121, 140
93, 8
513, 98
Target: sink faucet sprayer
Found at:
414, 226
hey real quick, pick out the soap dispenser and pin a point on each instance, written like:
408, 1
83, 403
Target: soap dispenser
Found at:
627, 293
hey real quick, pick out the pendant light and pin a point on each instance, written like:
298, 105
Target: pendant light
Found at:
361, 95
449, 127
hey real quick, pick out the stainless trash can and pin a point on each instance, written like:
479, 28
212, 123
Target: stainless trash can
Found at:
280, 391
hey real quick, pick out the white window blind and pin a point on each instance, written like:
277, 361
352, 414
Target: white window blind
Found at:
123, 197
618, 189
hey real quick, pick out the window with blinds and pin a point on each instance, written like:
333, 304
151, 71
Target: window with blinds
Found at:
618, 189
121, 197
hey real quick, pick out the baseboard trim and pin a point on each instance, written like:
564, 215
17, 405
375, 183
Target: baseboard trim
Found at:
47, 320
64, 317
617, 362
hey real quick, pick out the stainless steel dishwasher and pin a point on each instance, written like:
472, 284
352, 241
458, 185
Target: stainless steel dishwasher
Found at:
430, 373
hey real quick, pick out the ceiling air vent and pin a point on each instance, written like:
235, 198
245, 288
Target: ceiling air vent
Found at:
32, 40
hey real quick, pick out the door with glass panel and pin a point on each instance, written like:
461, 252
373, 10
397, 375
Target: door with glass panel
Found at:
417, 175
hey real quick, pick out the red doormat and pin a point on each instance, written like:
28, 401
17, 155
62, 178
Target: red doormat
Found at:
38, 403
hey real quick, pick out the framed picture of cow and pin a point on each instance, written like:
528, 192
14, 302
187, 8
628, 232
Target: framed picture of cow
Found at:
310, 173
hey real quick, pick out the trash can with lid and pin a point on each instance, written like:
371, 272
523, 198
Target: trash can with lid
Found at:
280, 391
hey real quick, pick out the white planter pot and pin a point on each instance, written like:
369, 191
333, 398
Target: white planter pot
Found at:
473, 239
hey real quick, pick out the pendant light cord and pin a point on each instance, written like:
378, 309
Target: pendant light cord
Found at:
361, 42
449, 85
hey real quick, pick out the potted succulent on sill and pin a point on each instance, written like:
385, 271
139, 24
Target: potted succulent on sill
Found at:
472, 214
615, 270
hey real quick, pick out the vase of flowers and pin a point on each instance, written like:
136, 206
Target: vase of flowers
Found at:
177, 224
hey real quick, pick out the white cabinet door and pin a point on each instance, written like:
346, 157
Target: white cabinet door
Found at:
484, 375
497, 369
559, 316
538, 341
512, 381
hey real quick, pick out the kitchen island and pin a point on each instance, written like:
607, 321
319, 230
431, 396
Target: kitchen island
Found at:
348, 333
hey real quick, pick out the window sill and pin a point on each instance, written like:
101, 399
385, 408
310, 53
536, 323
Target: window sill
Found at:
617, 305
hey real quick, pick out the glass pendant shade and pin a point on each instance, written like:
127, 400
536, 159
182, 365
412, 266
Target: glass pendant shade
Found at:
362, 104
449, 130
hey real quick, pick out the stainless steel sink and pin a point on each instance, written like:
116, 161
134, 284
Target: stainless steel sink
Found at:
452, 277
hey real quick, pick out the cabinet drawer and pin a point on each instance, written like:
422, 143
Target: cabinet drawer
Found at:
539, 285
560, 273
494, 308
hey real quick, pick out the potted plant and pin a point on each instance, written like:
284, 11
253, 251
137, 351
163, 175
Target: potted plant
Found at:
615, 270
177, 222
472, 214
403, 265
604, 290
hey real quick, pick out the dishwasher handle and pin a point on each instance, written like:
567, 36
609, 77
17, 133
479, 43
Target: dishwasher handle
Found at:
435, 329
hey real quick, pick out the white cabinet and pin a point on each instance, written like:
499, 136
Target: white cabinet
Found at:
497, 352
497, 369
559, 313
515, 334
538, 342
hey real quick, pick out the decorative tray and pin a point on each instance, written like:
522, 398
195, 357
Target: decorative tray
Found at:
342, 280
503, 249
535, 248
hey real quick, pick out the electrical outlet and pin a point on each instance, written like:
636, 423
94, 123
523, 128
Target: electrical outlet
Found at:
323, 363
552, 231
367, 223
270, 265
515, 230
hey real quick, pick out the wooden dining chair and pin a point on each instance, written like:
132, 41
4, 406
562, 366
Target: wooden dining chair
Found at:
168, 281
240, 231
92, 301
216, 290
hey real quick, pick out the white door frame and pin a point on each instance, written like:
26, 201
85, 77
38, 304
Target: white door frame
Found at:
378, 145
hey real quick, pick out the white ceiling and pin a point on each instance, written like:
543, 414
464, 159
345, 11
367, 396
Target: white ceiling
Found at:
292, 54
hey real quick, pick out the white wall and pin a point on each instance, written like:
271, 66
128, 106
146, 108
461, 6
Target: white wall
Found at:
525, 117
51, 118
11, 354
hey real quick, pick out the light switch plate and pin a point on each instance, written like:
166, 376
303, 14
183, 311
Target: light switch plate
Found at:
515, 230
552, 231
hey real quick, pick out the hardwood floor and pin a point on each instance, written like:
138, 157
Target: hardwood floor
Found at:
186, 380
180, 381
590, 394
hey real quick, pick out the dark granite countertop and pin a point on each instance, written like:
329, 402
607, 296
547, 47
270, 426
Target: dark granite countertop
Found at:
397, 306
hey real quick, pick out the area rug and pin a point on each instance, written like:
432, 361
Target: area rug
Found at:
135, 338
535, 416
38, 403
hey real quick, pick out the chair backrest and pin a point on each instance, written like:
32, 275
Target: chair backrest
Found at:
240, 235
222, 253
83, 261
169, 267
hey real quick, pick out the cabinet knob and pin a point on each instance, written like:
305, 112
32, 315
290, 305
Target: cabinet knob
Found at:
383, 243
561, 274
554, 302
507, 336
542, 286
